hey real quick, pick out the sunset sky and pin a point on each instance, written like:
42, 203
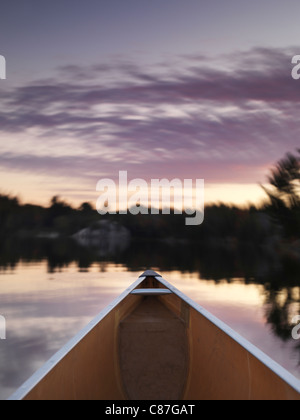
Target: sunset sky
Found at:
161, 89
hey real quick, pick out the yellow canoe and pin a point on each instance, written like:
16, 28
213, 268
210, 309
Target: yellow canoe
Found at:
154, 343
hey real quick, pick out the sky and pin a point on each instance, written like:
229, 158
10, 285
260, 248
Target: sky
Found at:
161, 89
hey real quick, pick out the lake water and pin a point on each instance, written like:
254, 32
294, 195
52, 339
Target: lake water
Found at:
45, 307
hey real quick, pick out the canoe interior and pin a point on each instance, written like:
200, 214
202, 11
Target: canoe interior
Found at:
159, 348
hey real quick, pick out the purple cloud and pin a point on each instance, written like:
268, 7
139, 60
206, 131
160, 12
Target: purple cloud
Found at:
223, 116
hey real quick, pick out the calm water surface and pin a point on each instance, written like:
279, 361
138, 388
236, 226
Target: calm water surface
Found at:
43, 310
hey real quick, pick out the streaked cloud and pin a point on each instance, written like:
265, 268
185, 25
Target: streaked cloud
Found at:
198, 116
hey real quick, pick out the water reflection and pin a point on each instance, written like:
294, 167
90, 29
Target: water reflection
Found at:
50, 291
45, 311
279, 276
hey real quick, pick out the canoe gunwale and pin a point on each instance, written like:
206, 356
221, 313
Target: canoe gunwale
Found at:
251, 348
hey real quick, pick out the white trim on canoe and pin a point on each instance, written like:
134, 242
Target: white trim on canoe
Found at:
45, 369
260, 355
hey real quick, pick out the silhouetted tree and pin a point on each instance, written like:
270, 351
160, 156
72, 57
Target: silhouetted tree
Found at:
284, 193
86, 208
285, 181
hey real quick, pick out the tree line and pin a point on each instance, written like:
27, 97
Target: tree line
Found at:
278, 216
